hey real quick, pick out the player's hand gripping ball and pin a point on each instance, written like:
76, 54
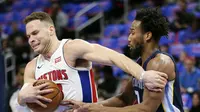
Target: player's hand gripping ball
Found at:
56, 96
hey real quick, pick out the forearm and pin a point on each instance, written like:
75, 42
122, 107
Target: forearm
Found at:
127, 65
113, 102
132, 108
103, 55
20, 98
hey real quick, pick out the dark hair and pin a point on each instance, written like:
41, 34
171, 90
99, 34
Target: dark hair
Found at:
153, 21
42, 16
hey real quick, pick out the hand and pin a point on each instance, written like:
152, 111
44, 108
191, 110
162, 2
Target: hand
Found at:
72, 102
72, 105
33, 94
154, 80
90, 107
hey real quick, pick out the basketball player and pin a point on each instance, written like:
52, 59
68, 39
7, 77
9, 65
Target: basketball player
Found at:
146, 30
68, 63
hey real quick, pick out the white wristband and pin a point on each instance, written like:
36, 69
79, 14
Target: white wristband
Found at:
141, 76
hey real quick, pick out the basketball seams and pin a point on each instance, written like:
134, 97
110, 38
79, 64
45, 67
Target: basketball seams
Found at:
55, 95
40, 83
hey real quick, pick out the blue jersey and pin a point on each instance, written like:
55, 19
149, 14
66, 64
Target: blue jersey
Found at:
172, 101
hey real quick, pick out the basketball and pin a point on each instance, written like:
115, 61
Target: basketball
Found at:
56, 97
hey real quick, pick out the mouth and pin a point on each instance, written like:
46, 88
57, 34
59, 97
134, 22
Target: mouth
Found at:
35, 46
129, 43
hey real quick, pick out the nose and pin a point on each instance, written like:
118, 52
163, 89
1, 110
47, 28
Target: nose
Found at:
31, 39
129, 38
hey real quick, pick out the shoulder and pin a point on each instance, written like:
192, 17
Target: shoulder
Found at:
29, 72
75, 48
31, 65
76, 42
162, 63
72, 43
77, 45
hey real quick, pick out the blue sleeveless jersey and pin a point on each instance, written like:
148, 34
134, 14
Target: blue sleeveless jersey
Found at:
172, 101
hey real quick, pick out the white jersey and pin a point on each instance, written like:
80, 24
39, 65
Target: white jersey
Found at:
76, 83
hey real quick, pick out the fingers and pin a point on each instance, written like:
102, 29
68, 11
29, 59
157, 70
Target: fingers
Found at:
163, 79
66, 102
160, 83
44, 99
42, 86
76, 102
163, 75
46, 91
41, 104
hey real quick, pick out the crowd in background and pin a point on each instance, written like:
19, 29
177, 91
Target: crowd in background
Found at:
184, 26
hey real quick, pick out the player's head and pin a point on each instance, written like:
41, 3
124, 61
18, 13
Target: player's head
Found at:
40, 31
148, 26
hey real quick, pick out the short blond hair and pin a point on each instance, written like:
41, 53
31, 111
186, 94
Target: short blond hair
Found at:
42, 16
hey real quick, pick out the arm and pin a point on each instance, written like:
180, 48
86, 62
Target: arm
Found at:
29, 72
164, 64
124, 99
102, 55
31, 94
28, 79
151, 100
80, 49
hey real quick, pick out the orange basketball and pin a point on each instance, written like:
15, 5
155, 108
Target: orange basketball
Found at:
56, 97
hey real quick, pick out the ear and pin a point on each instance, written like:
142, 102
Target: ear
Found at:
51, 30
148, 36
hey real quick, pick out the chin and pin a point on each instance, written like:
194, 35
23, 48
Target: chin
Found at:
37, 50
132, 47
136, 51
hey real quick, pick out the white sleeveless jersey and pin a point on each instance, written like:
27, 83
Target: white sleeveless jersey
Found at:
76, 83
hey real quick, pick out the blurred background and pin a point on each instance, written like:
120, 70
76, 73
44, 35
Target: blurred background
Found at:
105, 22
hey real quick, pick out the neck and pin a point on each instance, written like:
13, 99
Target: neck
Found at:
149, 48
51, 47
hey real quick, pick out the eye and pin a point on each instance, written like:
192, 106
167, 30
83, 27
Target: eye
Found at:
35, 32
132, 32
129, 32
